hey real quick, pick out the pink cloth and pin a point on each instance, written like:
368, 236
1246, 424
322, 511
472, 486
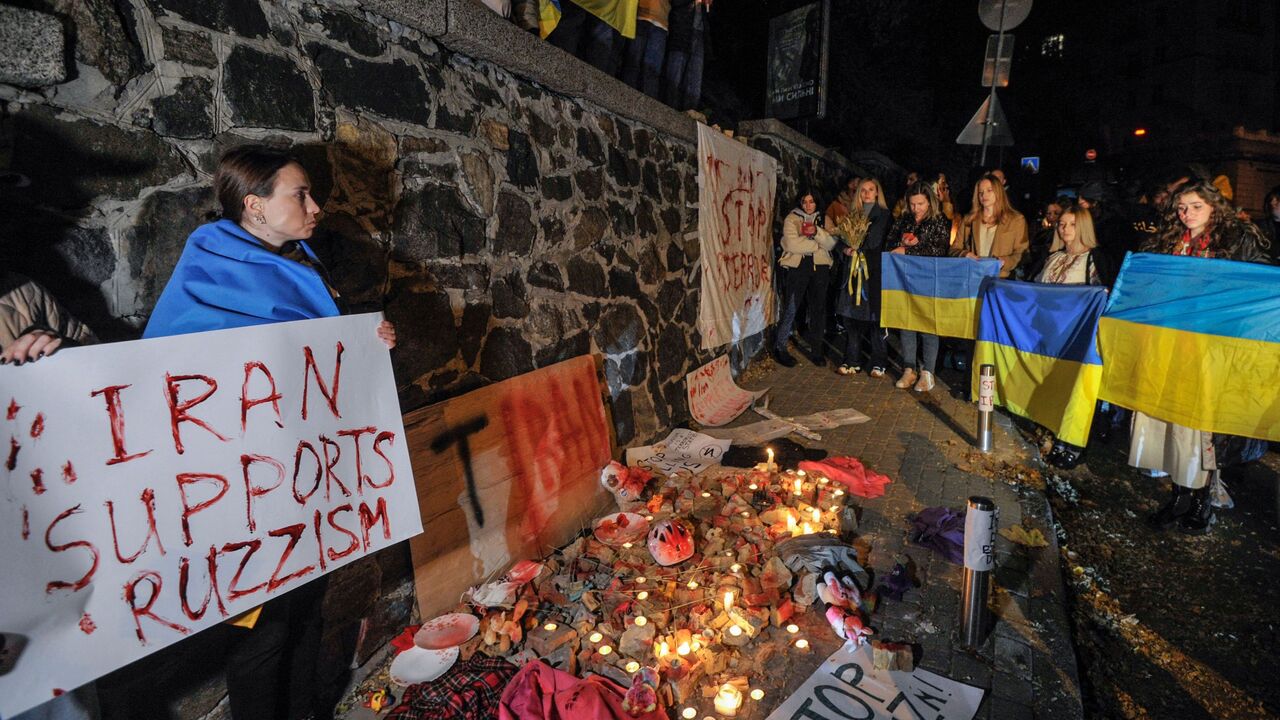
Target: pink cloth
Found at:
849, 471
540, 692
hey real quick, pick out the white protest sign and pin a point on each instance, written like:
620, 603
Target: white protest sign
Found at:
736, 186
155, 488
848, 686
714, 398
683, 450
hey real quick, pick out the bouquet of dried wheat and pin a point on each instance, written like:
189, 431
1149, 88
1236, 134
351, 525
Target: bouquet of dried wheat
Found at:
852, 229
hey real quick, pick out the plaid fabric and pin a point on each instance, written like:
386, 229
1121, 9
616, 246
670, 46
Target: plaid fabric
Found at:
467, 691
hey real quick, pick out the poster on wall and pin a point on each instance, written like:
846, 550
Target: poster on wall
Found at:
736, 187
796, 84
155, 488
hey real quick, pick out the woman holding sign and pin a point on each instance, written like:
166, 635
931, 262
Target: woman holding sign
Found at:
252, 267
1199, 223
922, 230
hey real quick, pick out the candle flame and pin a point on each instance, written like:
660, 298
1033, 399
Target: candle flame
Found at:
728, 599
683, 649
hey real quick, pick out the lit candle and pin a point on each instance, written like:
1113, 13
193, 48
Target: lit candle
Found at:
735, 568
802, 644
626, 546
728, 700
690, 713
791, 523
799, 484
746, 514
683, 649
817, 515
807, 529
595, 637
793, 628
550, 626
661, 649
605, 649
801, 473
728, 599
838, 492
640, 580
753, 486
697, 646
735, 631
706, 494
835, 508
641, 621
693, 584
772, 467
633, 667
757, 694
643, 595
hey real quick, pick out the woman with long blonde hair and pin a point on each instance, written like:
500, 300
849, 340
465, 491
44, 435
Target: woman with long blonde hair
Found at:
858, 297
993, 228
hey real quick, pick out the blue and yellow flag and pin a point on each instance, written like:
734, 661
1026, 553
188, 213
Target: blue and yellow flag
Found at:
548, 16
1196, 342
1042, 340
932, 294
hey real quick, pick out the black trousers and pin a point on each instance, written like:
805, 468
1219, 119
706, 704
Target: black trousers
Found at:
271, 668
807, 283
854, 330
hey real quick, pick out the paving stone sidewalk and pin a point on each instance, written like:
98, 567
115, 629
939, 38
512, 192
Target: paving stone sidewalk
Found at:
924, 441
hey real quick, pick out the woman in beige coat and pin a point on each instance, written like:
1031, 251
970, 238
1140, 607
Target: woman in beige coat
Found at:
992, 228
806, 263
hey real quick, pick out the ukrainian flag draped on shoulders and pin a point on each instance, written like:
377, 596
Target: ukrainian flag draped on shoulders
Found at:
1041, 338
618, 14
1195, 341
935, 295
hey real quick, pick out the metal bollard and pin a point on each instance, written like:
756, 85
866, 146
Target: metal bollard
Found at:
986, 405
980, 522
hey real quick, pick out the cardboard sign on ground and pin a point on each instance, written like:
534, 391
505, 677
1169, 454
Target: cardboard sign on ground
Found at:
507, 472
714, 398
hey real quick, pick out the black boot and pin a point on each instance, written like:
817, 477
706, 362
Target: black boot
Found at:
1200, 516
1173, 510
782, 357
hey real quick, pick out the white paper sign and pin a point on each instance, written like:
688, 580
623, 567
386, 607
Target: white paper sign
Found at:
155, 488
714, 398
736, 186
682, 451
980, 538
848, 686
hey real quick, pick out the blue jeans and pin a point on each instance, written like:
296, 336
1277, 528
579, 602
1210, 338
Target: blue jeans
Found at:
585, 36
908, 338
642, 68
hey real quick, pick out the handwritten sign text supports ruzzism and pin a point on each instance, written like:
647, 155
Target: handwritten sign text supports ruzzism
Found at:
155, 488
736, 187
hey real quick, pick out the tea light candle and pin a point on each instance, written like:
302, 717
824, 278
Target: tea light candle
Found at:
641, 580
641, 621
753, 486
550, 626
838, 492
757, 694
801, 473
793, 628
648, 518
798, 485
605, 649
735, 631
643, 595
693, 584
728, 700
817, 515
706, 494
626, 546
689, 713
683, 649
595, 637
633, 667
660, 649
735, 568
802, 645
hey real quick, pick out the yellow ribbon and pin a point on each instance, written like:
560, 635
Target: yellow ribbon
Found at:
859, 269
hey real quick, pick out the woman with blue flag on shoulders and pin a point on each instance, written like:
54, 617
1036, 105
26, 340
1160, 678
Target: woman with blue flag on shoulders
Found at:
858, 298
252, 267
1199, 223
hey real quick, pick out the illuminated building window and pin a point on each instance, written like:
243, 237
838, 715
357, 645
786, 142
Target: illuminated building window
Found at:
1052, 46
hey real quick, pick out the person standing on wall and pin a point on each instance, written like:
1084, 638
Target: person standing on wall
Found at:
686, 50
254, 267
645, 54
806, 259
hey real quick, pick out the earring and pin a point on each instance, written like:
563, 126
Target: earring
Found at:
262, 219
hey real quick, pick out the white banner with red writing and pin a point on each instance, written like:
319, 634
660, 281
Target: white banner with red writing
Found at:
155, 488
736, 187
714, 398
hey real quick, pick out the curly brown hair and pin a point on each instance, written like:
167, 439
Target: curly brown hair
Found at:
1228, 232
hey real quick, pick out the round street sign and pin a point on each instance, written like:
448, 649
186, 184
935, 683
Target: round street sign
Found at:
1015, 11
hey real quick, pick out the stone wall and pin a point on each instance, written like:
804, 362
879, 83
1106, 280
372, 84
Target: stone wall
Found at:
500, 225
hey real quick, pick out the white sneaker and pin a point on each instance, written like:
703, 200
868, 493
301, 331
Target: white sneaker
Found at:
925, 383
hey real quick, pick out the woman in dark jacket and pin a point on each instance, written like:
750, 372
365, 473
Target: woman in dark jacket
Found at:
921, 230
1199, 223
858, 299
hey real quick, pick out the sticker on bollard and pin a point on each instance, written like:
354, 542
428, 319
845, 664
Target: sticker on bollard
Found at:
986, 388
980, 524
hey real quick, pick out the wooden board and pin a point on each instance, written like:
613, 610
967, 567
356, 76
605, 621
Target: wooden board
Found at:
507, 472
